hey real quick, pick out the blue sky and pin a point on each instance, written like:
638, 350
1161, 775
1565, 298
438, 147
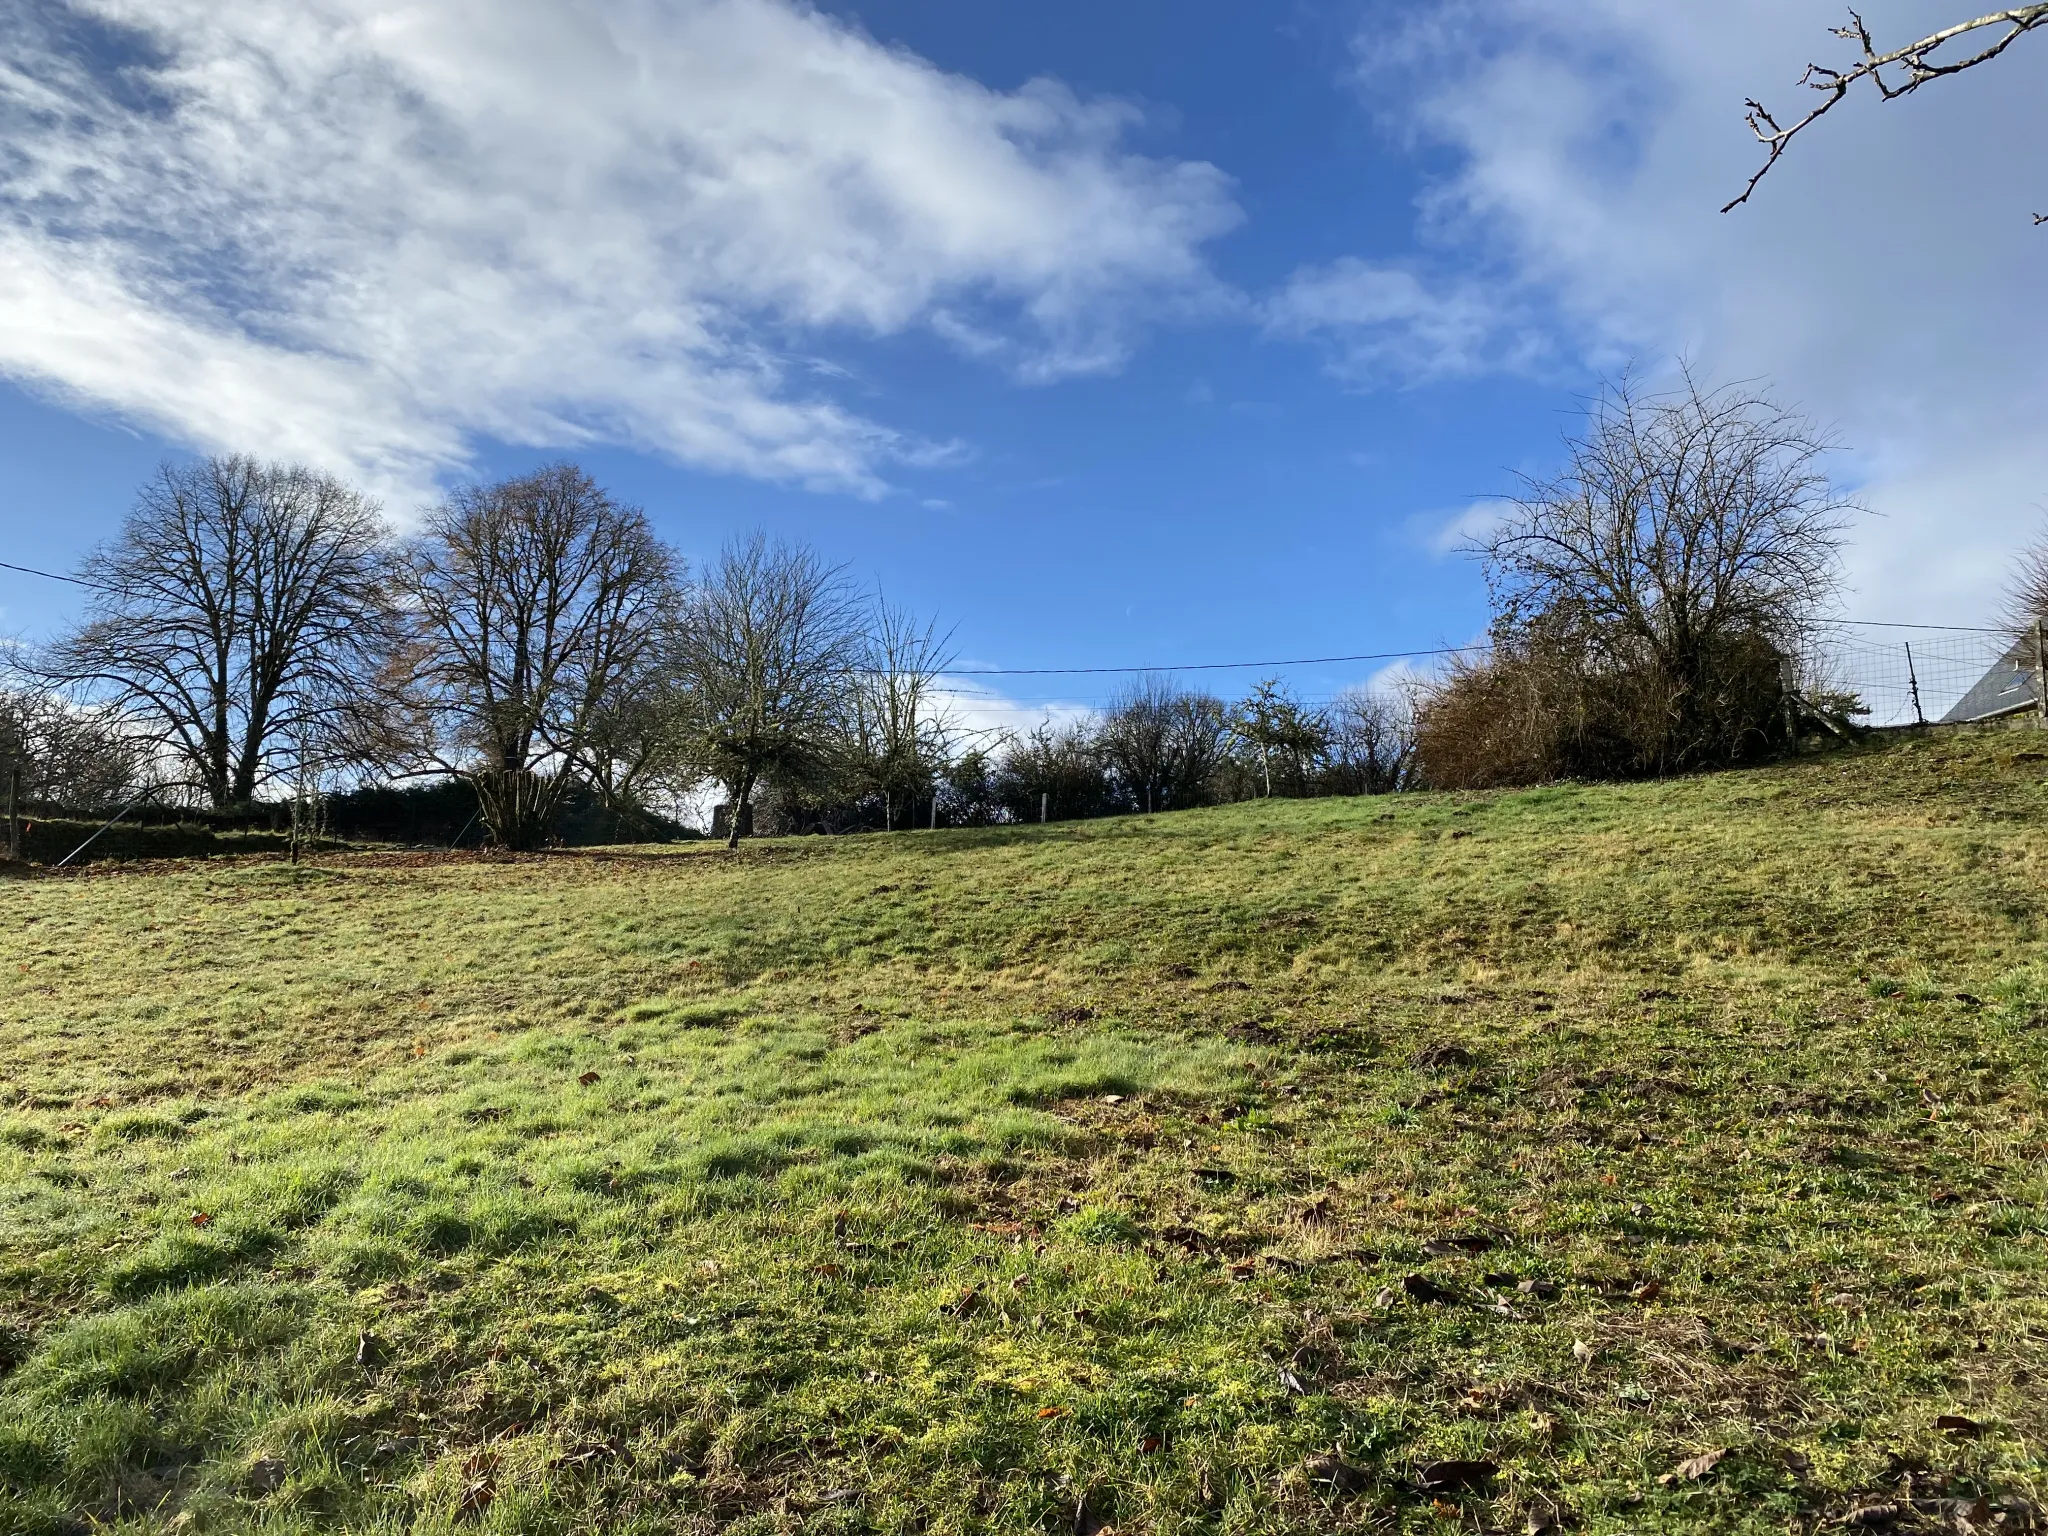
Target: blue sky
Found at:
1148, 333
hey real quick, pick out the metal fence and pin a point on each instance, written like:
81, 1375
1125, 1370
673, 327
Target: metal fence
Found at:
1912, 676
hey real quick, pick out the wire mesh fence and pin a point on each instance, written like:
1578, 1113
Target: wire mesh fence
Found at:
1932, 676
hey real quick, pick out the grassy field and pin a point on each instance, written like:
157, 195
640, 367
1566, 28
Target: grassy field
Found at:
1656, 1158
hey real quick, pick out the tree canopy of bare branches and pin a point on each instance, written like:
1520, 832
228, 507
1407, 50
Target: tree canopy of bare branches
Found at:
1679, 518
900, 727
70, 755
2029, 599
767, 647
1647, 597
1892, 73
530, 602
1163, 743
1371, 741
241, 607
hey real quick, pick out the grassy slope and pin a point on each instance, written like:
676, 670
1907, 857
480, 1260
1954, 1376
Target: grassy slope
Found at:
950, 1182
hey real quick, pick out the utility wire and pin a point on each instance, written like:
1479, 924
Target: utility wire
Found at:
27, 570
1205, 666
1211, 666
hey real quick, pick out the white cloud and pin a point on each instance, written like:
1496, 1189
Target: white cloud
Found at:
370, 232
1387, 324
984, 713
1881, 277
1454, 531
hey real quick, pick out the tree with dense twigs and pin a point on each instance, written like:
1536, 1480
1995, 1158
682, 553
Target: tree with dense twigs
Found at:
241, 610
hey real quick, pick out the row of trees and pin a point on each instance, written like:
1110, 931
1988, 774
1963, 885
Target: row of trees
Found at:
255, 631
1159, 747
255, 628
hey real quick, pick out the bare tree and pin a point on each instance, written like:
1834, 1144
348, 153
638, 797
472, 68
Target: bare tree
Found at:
1163, 742
768, 647
1679, 517
241, 607
1371, 742
899, 723
531, 601
1693, 537
58, 753
1892, 73
2029, 603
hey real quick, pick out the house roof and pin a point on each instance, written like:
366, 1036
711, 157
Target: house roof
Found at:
2008, 687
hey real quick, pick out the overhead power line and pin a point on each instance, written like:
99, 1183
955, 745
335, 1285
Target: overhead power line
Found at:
28, 570
1214, 666
1205, 666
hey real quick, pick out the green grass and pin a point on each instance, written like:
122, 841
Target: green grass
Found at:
955, 1182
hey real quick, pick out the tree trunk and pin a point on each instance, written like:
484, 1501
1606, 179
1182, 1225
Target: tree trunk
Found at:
739, 809
514, 806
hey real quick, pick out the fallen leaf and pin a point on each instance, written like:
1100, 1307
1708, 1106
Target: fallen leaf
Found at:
477, 1496
587, 1079
1112, 1098
1457, 1476
1870, 1516
1443, 1246
1433, 1056
1292, 1382
1243, 1270
1542, 1290
201, 1219
828, 1271
1695, 1469
1649, 1290
369, 1351
970, 1298
1335, 1472
265, 1476
1052, 1411
1148, 1445
1543, 1519
1958, 1427
1421, 1288
1583, 1352
1086, 1521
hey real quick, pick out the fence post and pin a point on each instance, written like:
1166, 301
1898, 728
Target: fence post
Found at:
1913, 682
13, 811
1044, 805
2041, 672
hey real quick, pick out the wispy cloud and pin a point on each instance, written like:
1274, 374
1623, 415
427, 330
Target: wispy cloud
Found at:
1387, 325
371, 232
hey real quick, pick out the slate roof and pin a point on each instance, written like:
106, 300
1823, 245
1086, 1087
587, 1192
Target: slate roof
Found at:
2008, 687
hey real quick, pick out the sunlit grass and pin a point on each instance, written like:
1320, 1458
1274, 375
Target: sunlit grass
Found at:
962, 1181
